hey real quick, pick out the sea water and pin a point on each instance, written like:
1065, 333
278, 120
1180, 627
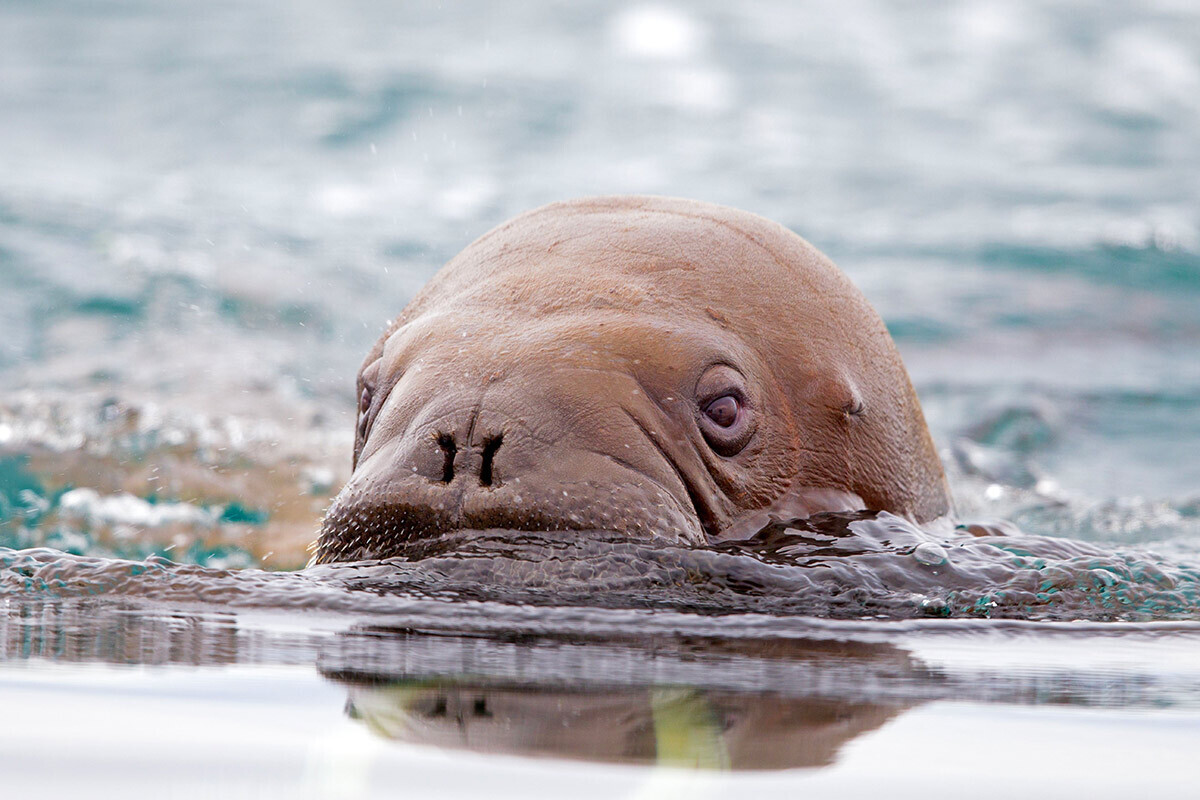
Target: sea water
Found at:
208, 211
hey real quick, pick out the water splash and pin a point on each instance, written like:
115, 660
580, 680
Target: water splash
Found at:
838, 566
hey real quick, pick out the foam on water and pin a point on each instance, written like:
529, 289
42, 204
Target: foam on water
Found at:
834, 566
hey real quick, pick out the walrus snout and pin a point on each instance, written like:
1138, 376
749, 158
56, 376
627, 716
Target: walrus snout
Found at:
479, 467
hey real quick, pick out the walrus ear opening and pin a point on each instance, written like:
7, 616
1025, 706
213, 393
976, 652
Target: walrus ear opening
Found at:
844, 399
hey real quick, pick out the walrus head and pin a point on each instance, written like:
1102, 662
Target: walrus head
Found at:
644, 365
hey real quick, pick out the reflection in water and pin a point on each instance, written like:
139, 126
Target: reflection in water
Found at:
667, 726
607, 686
106, 632
626, 718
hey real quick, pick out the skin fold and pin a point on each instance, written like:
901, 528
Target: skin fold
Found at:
652, 366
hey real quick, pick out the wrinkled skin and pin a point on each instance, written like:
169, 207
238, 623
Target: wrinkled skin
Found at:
572, 369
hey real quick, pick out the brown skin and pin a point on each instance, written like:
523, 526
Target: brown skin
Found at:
568, 371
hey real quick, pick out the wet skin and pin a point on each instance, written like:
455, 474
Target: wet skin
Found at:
651, 366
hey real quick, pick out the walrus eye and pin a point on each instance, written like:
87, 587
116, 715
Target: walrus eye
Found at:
724, 410
364, 407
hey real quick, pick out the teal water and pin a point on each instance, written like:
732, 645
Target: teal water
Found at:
208, 211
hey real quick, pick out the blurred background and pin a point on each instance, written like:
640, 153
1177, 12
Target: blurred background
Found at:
209, 210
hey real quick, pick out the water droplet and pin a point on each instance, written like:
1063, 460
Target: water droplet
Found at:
930, 554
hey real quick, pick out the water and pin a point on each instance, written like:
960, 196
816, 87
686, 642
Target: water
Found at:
858, 565
207, 213
463, 700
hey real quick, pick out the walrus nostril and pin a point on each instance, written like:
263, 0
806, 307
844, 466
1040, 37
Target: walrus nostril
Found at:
446, 442
490, 446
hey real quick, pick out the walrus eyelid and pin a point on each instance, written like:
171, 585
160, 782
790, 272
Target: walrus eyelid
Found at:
720, 378
734, 391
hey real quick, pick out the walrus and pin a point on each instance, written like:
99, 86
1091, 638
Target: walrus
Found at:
651, 366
